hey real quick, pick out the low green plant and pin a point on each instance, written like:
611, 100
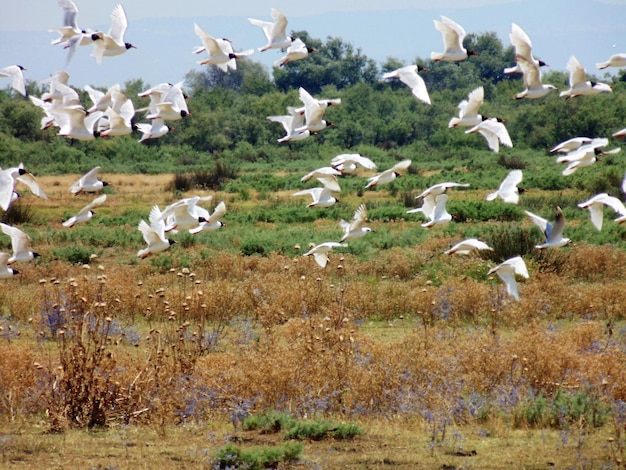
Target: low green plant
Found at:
269, 422
256, 458
74, 254
318, 430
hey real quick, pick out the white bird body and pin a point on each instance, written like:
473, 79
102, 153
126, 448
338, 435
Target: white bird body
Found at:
523, 48
184, 214
154, 130
389, 175
507, 270
86, 213
552, 232
153, 234
355, 229
5, 271
438, 214
220, 51
117, 122
314, 111
212, 221
20, 243
14, 72
326, 175
468, 110
578, 83
320, 252
10, 177
101, 100
275, 32
465, 247
534, 87
616, 60
570, 144
619, 134
322, 197
88, 183
596, 205
297, 50
409, 76
169, 106
347, 163
494, 132
441, 188
453, 35
291, 122
508, 190
112, 44
586, 155
76, 124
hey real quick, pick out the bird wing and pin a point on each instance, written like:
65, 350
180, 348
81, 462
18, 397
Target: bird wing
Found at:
29, 180
473, 103
453, 33
576, 72
530, 71
543, 224
95, 203
209, 42
410, 77
218, 212
7, 184
521, 41
280, 23
359, 218
313, 110
119, 23
559, 224
401, 166
19, 240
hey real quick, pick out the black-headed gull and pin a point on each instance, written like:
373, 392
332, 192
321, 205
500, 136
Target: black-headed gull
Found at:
552, 232
495, 133
453, 35
112, 43
616, 60
619, 134
101, 100
320, 252
212, 220
507, 270
437, 212
389, 175
70, 35
157, 128
88, 183
509, 191
468, 110
10, 177
86, 213
355, 228
314, 110
292, 123
578, 83
523, 48
20, 243
298, 50
5, 271
534, 87
322, 197
570, 144
169, 106
586, 155
596, 208
275, 32
14, 72
409, 76
347, 163
429, 198
76, 124
185, 214
153, 234
465, 247
326, 175
220, 51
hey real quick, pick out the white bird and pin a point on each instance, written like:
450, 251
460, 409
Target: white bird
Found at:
184, 214
88, 183
322, 197
355, 229
275, 33
220, 51
409, 76
578, 83
297, 50
5, 271
326, 175
154, 234
508, 190
76, 124
10, 177
495, 133
20, 243
112, 44
86, 213
437, 214
619, 134
616, 60
571, 144
468, 110
453, 35
101, 100
292, 123
441, 188
169, 106
14, 72
586, 155
596, 208
523, 48
70, 34
534, 87
552, 232
314, 111
507, 270
347, 163
465, 247
389, 175
156, 129
212, 221
117, 122
320, 252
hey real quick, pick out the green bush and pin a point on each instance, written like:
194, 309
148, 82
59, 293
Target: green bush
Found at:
319, 430
268, 422
256, 458
74, 254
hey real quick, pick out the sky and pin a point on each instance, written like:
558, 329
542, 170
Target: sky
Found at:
590, 29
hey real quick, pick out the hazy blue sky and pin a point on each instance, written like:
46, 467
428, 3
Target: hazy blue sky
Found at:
162, 30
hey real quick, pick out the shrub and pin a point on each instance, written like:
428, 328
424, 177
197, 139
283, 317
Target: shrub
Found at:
18, 214
269, 422
322, 429
231, 456
74, 254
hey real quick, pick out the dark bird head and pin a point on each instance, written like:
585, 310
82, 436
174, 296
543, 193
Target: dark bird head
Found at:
202, 219
104, 183
15, 271
128, 45
171, 242
521, 190
97, 134
330, 124
96, 36
421, 69
311, 50
36, 255
292, 38
21, 68
22, 171
184, 113
233, 56
543, 64
471, 53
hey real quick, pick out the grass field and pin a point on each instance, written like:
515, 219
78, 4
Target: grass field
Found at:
108, 361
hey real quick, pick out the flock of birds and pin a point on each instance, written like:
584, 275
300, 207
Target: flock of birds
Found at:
113, 114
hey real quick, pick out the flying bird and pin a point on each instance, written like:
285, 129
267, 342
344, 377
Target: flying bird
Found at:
14, 72
185, 214
389, 175
10, 177
453, 35
465, 247
596, 208
5, 271
20, 243
153, 234
616, 60
154, 130
314, 110
86, 213
507, 270
578, 83
275, 32
571, 144
297, 50
88, 183
438, 213
347, 163
586, 155
112, 43
293, 124
468, 110
320, 252
509, 191
212, 220
409, 76
495, 133
552, 232
355, 228
523, 49
220, 51
322, 197
169, 106
534, 87
326, 175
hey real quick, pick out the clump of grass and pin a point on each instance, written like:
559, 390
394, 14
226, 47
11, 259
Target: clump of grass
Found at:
73, 254
18, 214
256, 458
269, 422
512, 162
206, 179
318, 430
508, 240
